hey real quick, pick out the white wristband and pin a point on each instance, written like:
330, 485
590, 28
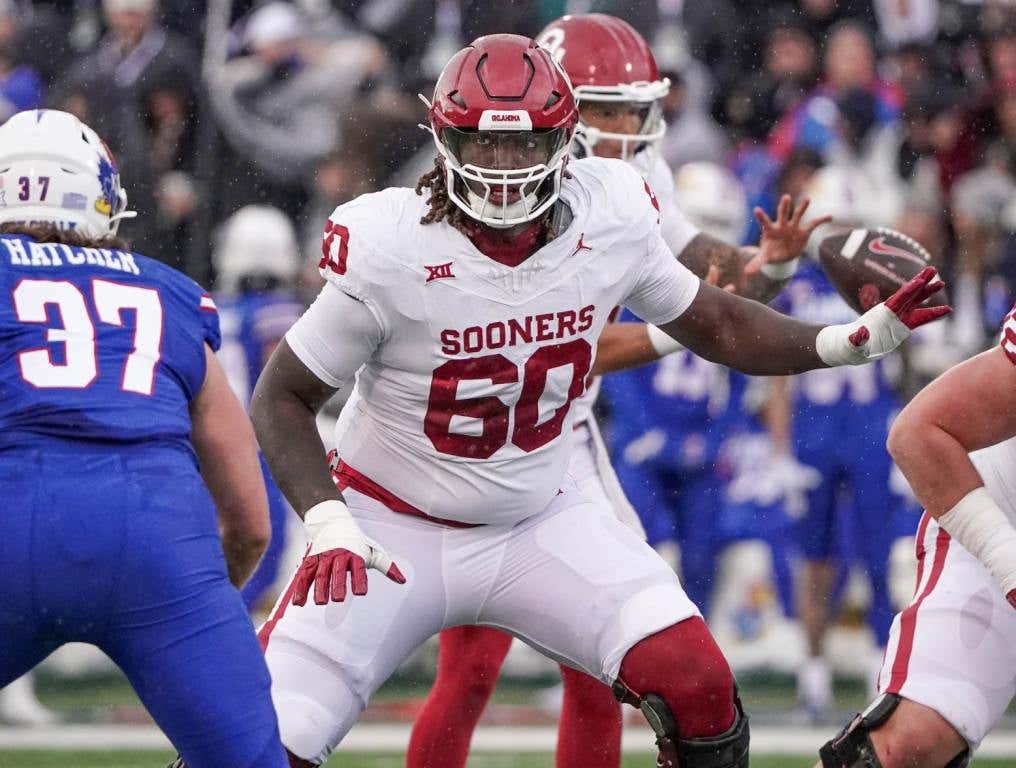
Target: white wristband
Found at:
661, 341
834, 348
985, 531
323, 514
783, 270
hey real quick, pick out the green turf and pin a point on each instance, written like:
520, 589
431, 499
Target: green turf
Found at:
135, 759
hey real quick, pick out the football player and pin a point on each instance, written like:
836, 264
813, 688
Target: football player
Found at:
256, 261
619, 91
128, 466
950, 671
468, 311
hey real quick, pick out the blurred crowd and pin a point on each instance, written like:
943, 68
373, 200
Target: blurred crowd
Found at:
212, 105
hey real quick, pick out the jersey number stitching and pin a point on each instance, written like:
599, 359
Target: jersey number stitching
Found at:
77, 332
527, 434
336, 263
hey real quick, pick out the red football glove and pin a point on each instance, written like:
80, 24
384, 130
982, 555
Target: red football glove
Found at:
885, 326
338, 547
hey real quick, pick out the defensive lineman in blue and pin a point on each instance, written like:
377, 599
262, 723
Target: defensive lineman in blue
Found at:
123, 454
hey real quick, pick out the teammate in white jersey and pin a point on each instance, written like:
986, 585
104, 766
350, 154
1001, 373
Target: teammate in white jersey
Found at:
950, 665
619, 90
471, 316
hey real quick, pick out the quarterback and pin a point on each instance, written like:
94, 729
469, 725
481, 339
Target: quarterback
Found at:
469, 317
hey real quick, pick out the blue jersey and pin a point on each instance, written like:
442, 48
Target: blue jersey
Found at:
98, 345
683, 396
252, 324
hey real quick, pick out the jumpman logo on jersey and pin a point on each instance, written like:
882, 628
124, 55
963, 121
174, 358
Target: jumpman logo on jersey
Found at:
438, 271
581, 246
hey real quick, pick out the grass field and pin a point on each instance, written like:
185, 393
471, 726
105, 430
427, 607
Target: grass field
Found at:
98, 759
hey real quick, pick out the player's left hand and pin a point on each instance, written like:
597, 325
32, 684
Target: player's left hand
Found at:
885, 326
783, 240
337, 547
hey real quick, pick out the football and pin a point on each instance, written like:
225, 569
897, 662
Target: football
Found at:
867, 266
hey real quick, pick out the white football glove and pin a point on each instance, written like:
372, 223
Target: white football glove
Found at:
338, 546
884, 327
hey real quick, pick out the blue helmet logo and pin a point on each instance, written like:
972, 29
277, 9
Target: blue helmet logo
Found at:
109, 181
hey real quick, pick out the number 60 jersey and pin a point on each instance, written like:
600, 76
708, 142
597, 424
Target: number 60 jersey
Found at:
462, 408
98, 344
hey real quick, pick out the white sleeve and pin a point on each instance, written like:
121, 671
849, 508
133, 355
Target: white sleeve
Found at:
664, 288
335, 336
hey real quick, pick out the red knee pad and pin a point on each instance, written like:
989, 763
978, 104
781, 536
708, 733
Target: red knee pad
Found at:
683, 665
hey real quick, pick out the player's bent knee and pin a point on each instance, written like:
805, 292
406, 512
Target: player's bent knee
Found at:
901, 741
728, 749
683, 685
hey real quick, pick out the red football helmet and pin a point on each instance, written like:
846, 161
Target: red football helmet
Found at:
608, 61
503, 117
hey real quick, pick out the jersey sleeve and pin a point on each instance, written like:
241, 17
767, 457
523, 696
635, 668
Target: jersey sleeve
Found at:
335, 336
354, 255
664, 287
1008, 339
209, 314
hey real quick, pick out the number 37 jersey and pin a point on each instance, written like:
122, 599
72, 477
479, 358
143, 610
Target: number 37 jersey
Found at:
98, 345
463, 406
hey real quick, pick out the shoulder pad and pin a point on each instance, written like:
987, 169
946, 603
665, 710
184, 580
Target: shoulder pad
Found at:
360, 244
617, 191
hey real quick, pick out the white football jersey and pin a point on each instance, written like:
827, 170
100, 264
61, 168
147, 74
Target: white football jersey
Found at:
463, 410
677, 232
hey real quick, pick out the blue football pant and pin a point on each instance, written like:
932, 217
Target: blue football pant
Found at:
122, 551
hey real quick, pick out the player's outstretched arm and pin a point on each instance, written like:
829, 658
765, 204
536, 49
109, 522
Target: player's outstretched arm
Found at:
757, 340
969, 407
630, 345
227, 452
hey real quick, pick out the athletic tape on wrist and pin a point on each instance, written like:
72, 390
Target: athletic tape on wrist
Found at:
986, 532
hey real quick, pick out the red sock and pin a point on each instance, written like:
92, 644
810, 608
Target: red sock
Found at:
589, 735
683, 664
468, 663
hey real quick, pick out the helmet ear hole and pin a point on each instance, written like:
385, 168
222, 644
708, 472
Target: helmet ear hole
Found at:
553, 99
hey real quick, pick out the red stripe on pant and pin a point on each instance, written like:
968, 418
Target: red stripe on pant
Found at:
908, 619
280, 610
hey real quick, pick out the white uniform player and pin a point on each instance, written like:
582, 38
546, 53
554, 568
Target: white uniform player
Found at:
472, 317
954, 648
464, 415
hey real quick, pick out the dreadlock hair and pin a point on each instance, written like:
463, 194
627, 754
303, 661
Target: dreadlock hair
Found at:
44, 232
441, 205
